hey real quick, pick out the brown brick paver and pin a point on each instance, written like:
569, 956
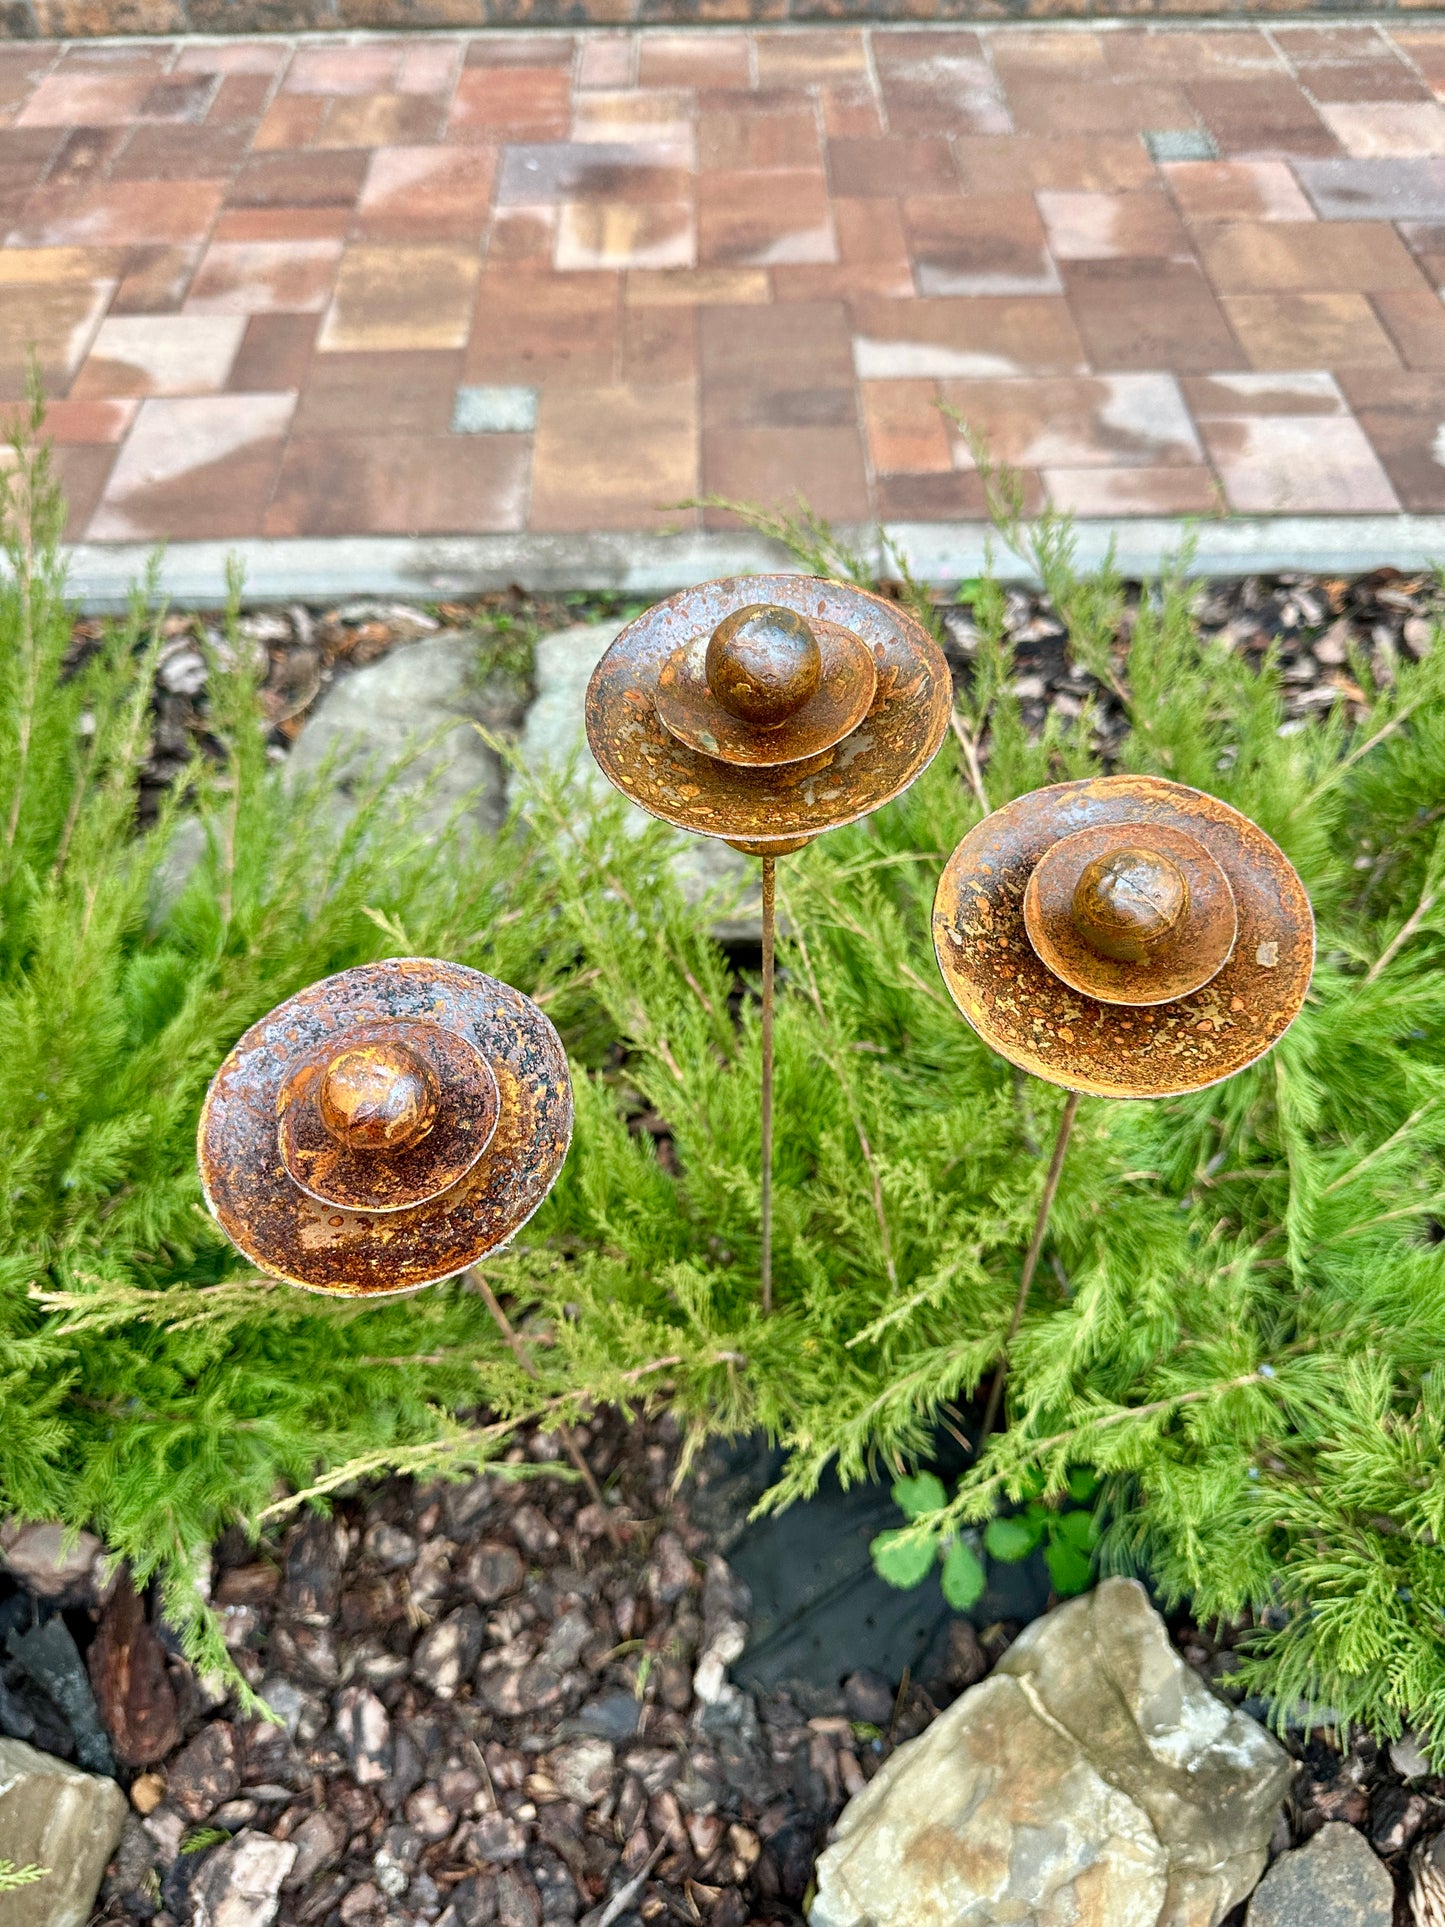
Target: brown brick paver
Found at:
558, 282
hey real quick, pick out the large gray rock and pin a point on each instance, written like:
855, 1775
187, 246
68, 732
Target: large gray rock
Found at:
554, 739
54, 1816
1334, 1880
372, 719
1093, 1781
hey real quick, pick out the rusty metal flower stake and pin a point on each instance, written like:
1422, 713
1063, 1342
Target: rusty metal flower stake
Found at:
1122, 937
387, 1128
764, 710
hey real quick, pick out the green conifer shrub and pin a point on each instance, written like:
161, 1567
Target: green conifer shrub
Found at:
1239, 1323
151, 1385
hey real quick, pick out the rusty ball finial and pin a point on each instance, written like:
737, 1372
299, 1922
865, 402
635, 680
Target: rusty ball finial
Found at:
1127, 902
763, 664
377, 1097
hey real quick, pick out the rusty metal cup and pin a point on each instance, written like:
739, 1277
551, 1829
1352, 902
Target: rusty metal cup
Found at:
386, 1128
764, 710
1124, 936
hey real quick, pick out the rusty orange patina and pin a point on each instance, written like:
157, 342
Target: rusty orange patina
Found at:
801, 714
759, 785
1136, 915
1013, 948
386, 1128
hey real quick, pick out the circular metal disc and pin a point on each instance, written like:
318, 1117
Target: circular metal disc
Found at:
897, 739
1195, 952
1027, 1014
357, 1254
697, 719
466, 1120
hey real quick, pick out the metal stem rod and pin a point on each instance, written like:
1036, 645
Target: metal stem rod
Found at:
564, 1431
1031, 1262
769, 880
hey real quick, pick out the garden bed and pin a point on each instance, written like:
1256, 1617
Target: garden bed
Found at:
1231, 1351
581, 1765
1313, 623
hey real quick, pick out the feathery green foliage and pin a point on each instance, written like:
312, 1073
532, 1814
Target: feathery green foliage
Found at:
150, 1384
1240, 1317
13, 1877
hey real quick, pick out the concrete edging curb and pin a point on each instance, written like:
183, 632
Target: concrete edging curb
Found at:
323, 569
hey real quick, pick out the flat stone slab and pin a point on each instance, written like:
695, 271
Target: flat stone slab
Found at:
554, 739
54, 1816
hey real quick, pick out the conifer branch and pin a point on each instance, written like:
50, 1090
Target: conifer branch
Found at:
1428, 899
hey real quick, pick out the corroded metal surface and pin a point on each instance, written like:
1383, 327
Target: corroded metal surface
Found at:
763, 663
353, 1253
432, 1147
1150, 895
779, 846
1021, 1009
898, 737
699, 718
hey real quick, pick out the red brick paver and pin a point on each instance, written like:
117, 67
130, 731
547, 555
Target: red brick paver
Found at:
568, 282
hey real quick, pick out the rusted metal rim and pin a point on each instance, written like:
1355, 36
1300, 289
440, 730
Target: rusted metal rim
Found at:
784, 846
373, 1254
1192, 951
692, 713
897, 739
1022, 1010
463, 1121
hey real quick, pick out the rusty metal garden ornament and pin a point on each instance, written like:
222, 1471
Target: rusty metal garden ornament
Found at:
1123, 937
764, 710
386, 1128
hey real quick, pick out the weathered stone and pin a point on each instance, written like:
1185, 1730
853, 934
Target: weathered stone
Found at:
426, 693
49, 1658
389, 1546
240, 1883
128, 1672
611, 1716
518, 1902
56, 1817
582, 1771
364, 1729
207, 1773
446, 1653
318, 1842
534, 1531
554, 740
1409, 1758
311, 1586
493, 1571
531, 1689
1094, 1779
429, 1814
496, 1839
1334, 1880
563, 1645
50, 1560
670, 1572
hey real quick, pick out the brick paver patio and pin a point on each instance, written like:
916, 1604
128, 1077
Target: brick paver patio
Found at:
560, 282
